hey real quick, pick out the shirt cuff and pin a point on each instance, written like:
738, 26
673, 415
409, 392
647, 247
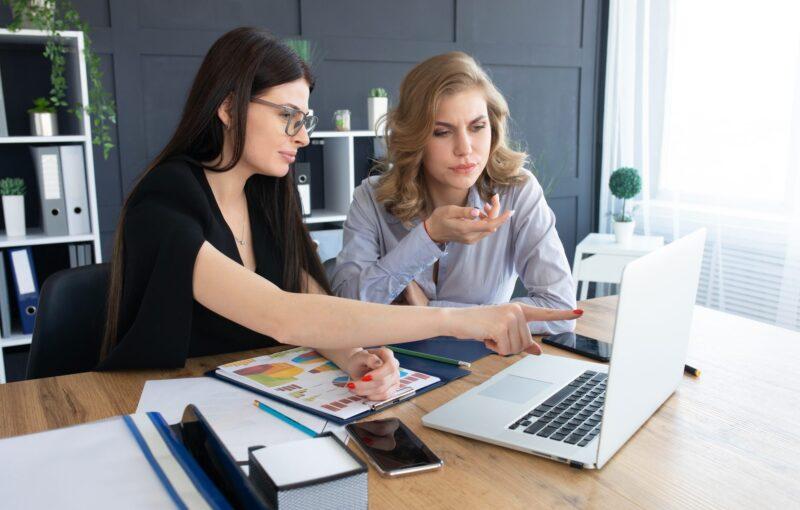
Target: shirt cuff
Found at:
412, 255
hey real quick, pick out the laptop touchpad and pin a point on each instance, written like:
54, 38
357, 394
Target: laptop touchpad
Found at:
513, 388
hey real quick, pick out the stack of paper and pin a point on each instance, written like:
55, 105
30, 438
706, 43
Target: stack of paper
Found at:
230, 412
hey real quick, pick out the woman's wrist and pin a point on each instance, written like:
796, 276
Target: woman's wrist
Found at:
428, 231
448, 318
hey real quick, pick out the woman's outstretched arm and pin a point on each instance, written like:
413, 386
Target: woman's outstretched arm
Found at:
325, 322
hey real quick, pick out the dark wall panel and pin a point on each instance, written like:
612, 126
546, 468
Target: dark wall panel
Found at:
165, 86
539, 22
414, 20
96, 13
280, 16
544, 106
545, 56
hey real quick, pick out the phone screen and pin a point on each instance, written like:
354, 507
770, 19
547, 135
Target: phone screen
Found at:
391, 445
580, 344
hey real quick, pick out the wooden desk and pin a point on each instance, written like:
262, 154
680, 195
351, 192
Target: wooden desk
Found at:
728, 439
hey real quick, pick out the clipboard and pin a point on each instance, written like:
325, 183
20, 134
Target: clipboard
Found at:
445, 373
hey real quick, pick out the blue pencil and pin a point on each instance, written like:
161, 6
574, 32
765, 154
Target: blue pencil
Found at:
279, 415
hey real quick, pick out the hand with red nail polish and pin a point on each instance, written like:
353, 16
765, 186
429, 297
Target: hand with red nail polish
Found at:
504, 328
375, 373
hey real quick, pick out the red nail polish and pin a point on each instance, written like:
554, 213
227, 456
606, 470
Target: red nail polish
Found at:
578, 311
367, 378
351, 385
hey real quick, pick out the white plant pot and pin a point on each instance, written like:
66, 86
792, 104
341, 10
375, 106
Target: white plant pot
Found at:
14, 213
623, 230
44, 124
376, 109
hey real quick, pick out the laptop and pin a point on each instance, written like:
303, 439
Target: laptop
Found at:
580, 412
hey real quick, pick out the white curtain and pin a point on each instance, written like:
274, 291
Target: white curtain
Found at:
703, 98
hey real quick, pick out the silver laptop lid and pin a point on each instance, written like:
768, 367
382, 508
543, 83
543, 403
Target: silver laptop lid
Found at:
651, 336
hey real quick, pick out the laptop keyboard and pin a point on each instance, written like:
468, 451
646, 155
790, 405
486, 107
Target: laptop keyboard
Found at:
572, 415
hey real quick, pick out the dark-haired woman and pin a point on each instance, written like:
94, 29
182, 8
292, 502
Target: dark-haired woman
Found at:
211, 253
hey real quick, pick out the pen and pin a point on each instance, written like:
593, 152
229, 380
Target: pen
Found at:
425, 355
408, 392
279, 415
691, 370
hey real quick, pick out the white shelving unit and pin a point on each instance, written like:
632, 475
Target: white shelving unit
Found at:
339, 174
32, 140
77, 79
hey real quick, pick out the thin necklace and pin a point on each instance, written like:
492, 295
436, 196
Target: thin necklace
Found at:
240, 239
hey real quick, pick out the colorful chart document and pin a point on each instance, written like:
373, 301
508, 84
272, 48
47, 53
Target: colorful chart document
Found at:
305, 377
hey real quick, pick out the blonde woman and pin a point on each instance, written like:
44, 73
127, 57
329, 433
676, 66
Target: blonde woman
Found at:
454, 218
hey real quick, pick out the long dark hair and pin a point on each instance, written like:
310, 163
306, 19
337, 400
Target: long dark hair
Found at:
241, 64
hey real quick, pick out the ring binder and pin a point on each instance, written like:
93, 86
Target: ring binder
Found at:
51, 189
26, 286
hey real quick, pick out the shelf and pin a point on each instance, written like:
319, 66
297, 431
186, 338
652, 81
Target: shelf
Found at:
43, 139
38, 238
31, 36
323, 216
15, 340
341, 134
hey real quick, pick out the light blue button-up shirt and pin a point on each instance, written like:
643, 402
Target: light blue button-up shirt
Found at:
381, 256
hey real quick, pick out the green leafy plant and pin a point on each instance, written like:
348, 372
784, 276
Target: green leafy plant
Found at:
378, 92
52, 17
12, 186
625, 183
42, 105
305, 49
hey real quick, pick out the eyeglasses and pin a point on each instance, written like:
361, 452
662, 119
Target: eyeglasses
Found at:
295, 118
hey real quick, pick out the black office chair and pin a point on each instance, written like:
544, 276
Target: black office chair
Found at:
69, 322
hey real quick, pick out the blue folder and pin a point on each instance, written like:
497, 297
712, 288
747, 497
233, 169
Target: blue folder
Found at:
26, 286
449, 347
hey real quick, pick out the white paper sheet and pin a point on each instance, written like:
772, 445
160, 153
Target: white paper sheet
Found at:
230, 412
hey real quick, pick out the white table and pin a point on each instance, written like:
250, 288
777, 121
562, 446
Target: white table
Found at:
598, 258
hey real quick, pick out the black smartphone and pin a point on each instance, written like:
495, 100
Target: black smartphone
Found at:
579, 344
392, 448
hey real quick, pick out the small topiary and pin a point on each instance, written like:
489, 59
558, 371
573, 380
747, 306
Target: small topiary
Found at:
625, 183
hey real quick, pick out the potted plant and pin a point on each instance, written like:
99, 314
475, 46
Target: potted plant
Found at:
308, 51
53, 17
377, 106
624, 183
43, 118
13, 191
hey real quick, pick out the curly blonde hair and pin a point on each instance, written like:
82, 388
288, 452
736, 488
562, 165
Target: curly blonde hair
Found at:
401, 188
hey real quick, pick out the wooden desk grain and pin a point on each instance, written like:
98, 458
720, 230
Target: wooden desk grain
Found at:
728, 439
